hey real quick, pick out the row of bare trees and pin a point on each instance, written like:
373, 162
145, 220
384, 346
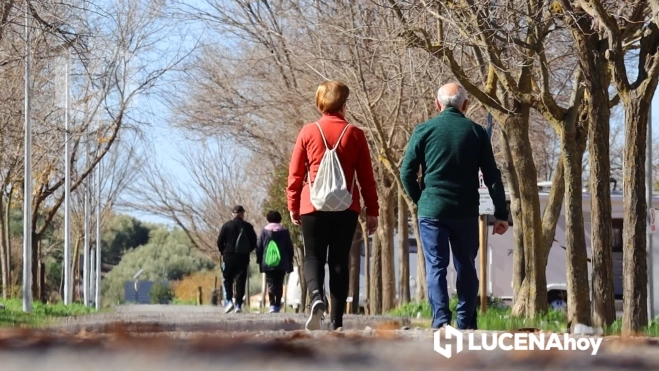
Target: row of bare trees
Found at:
514, 45
111, 49
544, 70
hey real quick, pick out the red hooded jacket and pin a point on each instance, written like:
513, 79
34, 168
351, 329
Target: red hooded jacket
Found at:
355, 157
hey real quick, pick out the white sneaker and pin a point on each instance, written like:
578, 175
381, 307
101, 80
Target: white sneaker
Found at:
316, 316
239, 309
228, 307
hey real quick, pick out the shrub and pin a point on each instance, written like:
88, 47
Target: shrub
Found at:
161, 293
168, 256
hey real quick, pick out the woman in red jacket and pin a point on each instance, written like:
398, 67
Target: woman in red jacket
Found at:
328, 235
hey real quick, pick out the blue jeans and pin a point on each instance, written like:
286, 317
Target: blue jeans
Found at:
463, 237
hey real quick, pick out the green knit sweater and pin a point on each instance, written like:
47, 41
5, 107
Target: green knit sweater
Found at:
450, 149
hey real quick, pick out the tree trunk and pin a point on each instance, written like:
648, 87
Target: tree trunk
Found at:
367, 266
516, 213
375, 295
355, 262
4, 263
578, 295
7, 242
634, 266
549, 220
76, 271
36, 290
386, 237
597, 80
404, 250
600, 204
552, 210
43, 290
520, 147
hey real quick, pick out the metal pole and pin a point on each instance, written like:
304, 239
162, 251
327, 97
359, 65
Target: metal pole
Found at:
98, 236
86, 261
648, 192
27, 186
67, 191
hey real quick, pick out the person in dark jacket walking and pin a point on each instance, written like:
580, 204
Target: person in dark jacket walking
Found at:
236, 241
450, 149
274, 254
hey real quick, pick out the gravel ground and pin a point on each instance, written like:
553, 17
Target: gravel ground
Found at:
164, 339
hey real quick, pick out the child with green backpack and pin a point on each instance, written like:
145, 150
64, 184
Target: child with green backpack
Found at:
274, 254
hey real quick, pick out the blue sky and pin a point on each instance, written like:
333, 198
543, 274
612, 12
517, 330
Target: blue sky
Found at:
164, 139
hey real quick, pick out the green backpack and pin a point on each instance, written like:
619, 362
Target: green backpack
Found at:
272, 255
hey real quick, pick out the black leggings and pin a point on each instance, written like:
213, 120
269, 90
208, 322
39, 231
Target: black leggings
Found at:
275, 283
328, 237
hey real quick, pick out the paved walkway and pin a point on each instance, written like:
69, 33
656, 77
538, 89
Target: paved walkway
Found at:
176, 339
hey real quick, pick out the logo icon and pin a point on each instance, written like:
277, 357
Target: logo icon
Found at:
449, 333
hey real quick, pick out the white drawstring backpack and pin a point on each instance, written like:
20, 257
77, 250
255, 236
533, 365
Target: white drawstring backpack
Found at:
329, 192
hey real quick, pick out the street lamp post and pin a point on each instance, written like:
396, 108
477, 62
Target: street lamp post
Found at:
97, 300
67, 189
27, 186
86, 247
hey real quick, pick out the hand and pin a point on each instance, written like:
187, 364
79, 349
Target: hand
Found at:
500, 227
371, 224
295, 218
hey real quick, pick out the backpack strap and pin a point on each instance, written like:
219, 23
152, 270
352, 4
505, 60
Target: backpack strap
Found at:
322, 134
325, 140
340, 137
333, 149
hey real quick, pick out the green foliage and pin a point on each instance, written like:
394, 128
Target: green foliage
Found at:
411, 309
161, 293
54, 272
497, 316
121, 234
177, 301
168, 256
616, 328
13, 314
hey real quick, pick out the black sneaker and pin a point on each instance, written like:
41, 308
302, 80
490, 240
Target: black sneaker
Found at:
316, 316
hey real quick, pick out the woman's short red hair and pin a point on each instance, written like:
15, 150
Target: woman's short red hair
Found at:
331, 96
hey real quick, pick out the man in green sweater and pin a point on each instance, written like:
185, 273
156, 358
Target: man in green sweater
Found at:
450, 149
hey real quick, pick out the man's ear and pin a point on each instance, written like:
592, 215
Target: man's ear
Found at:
439, 106
464, 106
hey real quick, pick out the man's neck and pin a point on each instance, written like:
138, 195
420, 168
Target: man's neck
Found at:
451, 110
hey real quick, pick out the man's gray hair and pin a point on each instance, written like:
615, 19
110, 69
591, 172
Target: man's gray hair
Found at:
455, 100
